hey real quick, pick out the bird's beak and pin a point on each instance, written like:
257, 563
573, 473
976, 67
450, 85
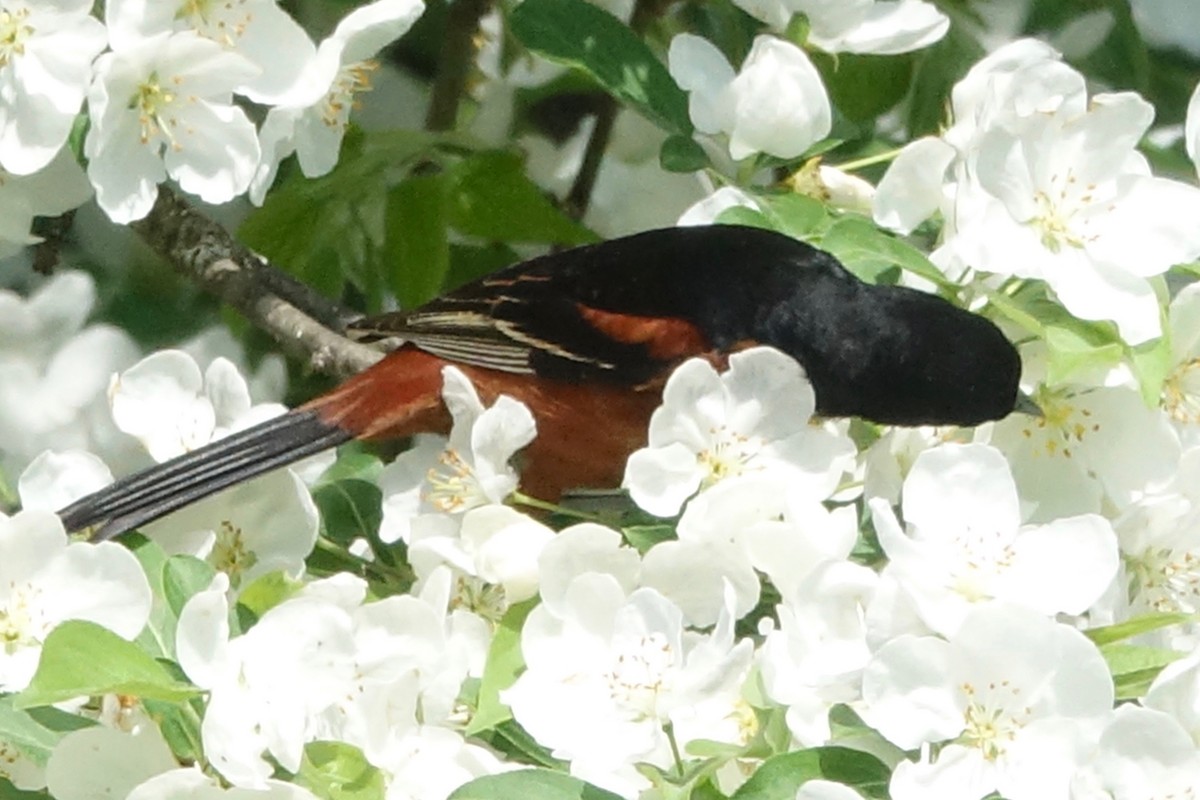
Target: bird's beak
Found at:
1025, 405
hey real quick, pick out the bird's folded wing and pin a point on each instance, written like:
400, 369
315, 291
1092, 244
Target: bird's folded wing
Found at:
534, 324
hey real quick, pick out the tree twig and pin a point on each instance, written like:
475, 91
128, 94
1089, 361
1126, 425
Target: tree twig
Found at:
580, 195
454, 63
306, 325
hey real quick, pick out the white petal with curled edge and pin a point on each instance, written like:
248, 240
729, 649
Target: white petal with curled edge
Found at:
911, 190
57, 479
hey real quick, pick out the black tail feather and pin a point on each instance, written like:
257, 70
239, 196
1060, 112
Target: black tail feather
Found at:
154, 492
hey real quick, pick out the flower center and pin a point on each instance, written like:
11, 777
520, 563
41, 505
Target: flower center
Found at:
1056, 213
476, 595
21, 620
352, 79
230, 553
984, 553
640, 672
14, 31
746, 719
727, 456
1165, 579
155, 104
989, 723
223, 22
1061, 427
10, 760
452, 484
1181, 392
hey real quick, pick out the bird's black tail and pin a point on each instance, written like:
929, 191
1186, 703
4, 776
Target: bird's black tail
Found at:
147, 495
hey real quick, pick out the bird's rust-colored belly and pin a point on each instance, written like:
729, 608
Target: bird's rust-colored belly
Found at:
584, 433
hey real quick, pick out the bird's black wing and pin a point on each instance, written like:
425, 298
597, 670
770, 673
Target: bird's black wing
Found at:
570, 316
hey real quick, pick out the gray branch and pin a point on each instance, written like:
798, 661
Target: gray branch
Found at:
306, 325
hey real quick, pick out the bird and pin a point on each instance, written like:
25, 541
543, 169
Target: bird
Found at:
586, 338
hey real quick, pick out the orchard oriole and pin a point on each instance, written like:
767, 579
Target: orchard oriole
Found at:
587, 337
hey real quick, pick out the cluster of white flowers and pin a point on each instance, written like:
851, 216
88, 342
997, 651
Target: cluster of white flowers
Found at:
159, 80
957, 610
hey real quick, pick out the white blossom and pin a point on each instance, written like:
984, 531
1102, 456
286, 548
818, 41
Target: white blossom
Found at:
46, 52
324, 665
313, 121
470, 469
1181, 388
1141, 753
267, 524
1167, 24
1191, 138
192, 784
55, 189
776, 103
259, 30
1176, 692
743, 526
816, 656
968, 546
857, 26
103, 761
1014, 697
56, 479
494, 550
53, 370
167, 404
752, 419
607, 671
44, 580
1090, 444
164, 107
1047, 184
706, 211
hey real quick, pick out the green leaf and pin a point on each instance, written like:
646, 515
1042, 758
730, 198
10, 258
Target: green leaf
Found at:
530, 784
580, 35
643, 537
1135, 668
1015, 311
864, 86
349, 509
268, 591
353, 462
339, 771
779, 777
183, 577
490, 196
1144, 623
10, 792
798, 215
332, 229
937, 69
504, 663
681, 153
514, 742
323, 230
81, 659
1152, 363
868, 252
158, 637
743, 215
418, 251
180, 725
35, 732
1076, 346
467, 262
